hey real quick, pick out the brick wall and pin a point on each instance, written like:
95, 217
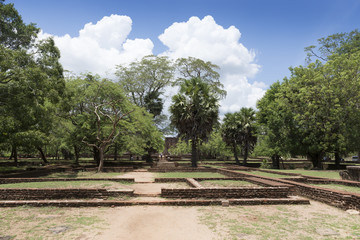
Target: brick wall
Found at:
190, 169
250, 192
60, 193
20, 180
341, 199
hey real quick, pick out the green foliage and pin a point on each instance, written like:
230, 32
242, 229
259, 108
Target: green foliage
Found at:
144, 83
181, 147
265, 164
239, 129
315, 111
194, 112
100, 115
215, 147
196, 68
31, 83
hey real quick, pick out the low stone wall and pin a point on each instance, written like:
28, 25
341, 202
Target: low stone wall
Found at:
61, 193
177, 202
333, 181
193, 183
168, 180
340, 199
250, 192
180, 169
111, 169
21, 180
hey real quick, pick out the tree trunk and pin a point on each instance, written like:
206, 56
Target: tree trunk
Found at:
194, 153
315, 158
101, 159
96, 156
43, 157
15, 155
12, 153
236, 155
337, 160
115, 151
275, 161
76, 151
246, 152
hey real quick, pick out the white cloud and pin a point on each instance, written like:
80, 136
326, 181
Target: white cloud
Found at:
101, 46
205, 39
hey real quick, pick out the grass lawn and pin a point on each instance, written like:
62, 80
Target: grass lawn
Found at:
84, 175
227, 183
189, 175
67, 184
265, 174
350, 189
314, 173
281, 222
42, 223
11, 168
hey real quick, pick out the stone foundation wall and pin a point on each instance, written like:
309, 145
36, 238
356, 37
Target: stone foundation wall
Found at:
21, 180
250, 192
61, 193
180, 169
340, 199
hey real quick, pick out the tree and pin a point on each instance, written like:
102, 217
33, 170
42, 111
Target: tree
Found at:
194, 112
231, 132
31, 83
101, 116
276, 124
319, 102
248, 132
190, 67
238, 129
215, 147
144, 81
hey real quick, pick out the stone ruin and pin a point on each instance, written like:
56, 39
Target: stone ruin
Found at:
351, 173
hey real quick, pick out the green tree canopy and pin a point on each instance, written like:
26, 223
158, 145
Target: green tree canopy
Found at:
194, 112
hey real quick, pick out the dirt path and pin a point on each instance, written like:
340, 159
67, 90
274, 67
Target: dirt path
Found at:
140, 176
155, 223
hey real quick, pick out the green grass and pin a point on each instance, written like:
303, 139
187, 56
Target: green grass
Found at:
265, 174
350, 189
84, 175
279, 222
189, 175
227, 183
11, 168
314, 173
35, 223
67, 184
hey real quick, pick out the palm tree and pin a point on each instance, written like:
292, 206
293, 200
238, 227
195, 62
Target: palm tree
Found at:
248, 132
194, 112
238, 129
230, 132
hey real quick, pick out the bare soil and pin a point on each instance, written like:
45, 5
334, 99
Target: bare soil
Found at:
190, 223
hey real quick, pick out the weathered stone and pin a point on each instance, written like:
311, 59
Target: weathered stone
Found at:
326, 232
351, 173
353, 212
6, 237
59, 229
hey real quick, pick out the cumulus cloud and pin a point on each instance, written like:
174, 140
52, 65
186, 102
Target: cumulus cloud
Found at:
101, 46
205, 39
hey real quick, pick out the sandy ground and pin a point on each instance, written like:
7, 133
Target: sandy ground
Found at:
155, 223
140, 176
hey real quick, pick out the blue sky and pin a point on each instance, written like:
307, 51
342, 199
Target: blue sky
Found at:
275, 31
